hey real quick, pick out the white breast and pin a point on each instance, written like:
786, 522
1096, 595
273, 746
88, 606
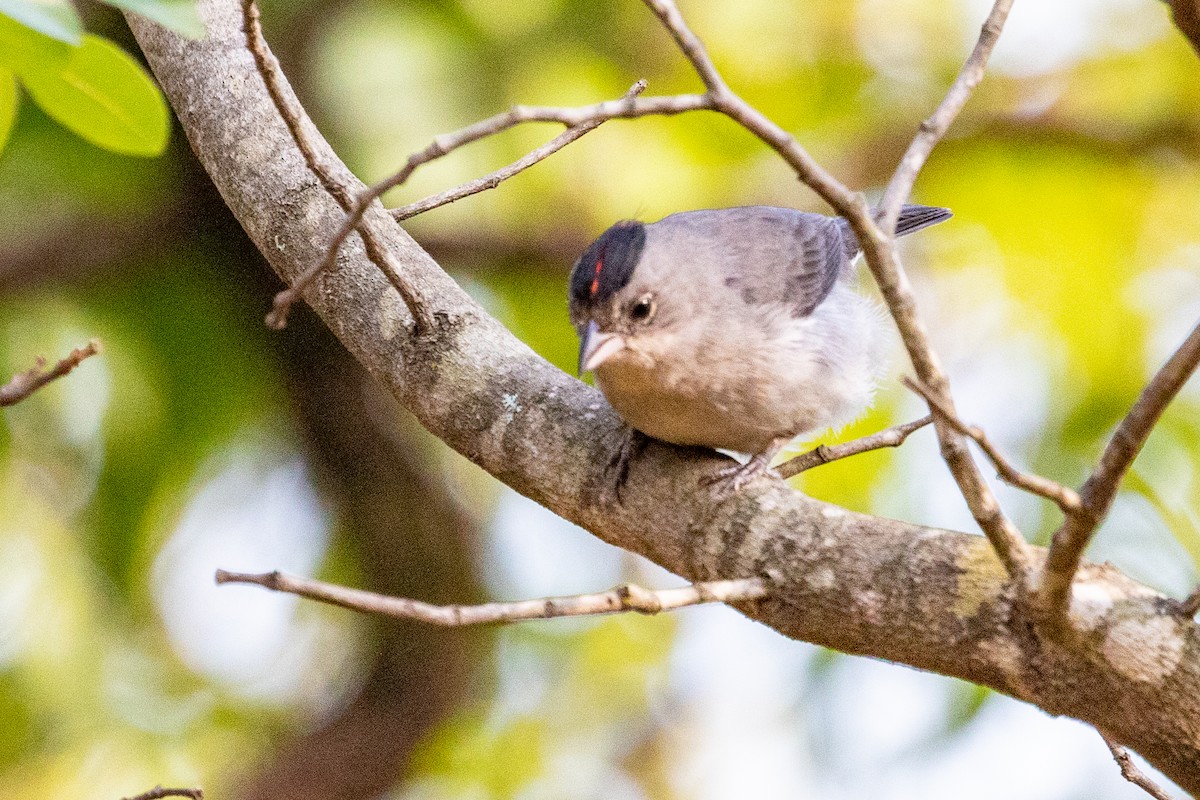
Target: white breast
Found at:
765, 379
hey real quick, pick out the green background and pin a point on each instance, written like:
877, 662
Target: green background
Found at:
200, 439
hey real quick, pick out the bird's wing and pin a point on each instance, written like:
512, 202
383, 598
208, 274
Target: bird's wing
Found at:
771, 257
816, 262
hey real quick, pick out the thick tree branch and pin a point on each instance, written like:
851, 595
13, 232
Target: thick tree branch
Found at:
824, 454
1100, 489
26, 383
628, 597
936, 600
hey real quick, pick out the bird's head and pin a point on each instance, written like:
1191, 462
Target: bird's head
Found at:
616, 300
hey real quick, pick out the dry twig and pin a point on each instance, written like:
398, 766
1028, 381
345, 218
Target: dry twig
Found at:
448, 143
934, 128
307, 141
580, 120
1131, 773
1064, 497
1098, 492
494, 179
158, 792
722, 99
824, 454
622, 598
26, 383
879, 248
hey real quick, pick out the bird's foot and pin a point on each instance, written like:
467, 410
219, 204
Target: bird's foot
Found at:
729, 480
616, 472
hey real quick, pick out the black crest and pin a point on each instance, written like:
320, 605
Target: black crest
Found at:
607, 265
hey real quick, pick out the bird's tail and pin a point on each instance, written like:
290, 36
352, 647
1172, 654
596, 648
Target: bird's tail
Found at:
912, 218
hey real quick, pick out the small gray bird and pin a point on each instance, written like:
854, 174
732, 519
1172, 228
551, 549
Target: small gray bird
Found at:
734, 329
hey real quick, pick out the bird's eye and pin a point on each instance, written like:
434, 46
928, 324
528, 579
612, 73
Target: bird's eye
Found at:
643, 309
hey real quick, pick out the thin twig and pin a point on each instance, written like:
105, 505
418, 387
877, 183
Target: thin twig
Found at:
494, 179
1098, 492
721, 98
934, 128
158, 792
824, 454
693, 49
1131, 773
622, 598
1064, 497
308, 142
580, 121
448, 143
26, 383
879, 248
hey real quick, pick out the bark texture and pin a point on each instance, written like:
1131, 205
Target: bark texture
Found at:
937, 600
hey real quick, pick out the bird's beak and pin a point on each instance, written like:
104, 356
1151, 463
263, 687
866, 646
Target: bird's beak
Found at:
596, 347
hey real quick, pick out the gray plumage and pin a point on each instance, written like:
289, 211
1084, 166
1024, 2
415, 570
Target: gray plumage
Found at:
734, 328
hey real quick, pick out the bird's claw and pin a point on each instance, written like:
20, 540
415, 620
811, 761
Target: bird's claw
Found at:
728, 481
616, 472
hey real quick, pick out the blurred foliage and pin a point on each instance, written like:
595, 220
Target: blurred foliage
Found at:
1069, 272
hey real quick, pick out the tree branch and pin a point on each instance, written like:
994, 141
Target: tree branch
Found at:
934, 128
1098, 492
628, 597
493, 179
936, 600
721, 98
581, 121
26, 383
1065, 498
307, 139
1131, 773
824, 454
879, 249
880, 252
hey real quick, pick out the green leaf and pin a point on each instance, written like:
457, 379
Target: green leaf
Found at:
58, 19
181, 16
103, 95
23, 49
8, 104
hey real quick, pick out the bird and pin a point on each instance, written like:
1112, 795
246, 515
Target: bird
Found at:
734, 329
